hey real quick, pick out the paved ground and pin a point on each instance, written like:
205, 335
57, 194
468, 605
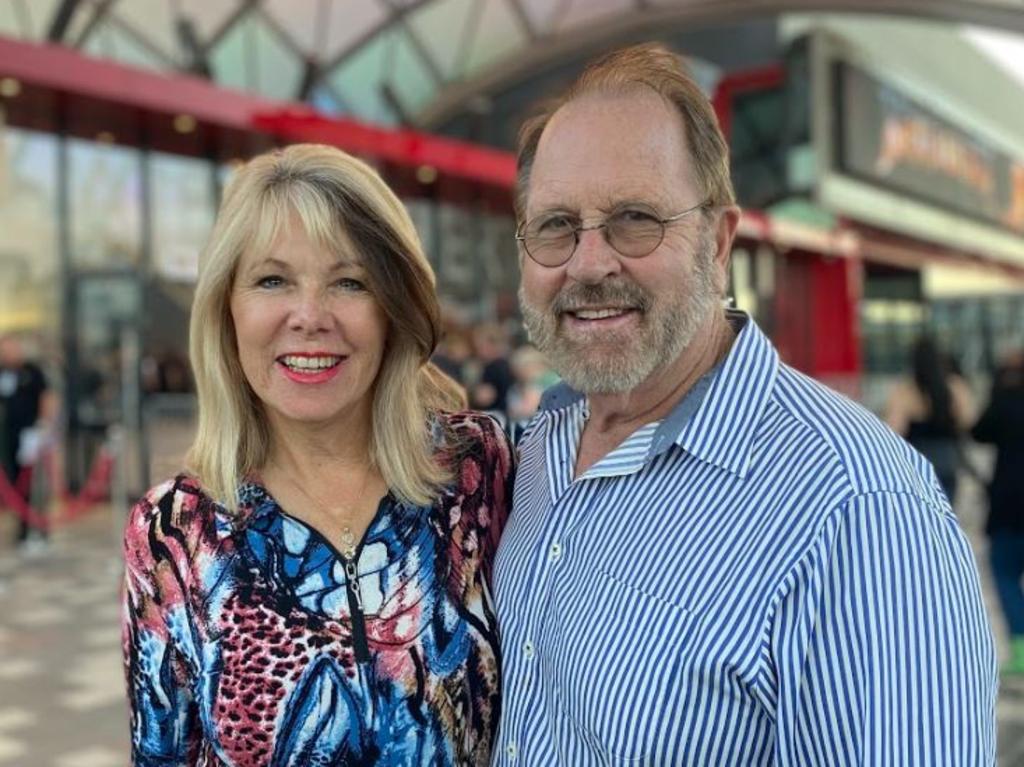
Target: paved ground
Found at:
61, 690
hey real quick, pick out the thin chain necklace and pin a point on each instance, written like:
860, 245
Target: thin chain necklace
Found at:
349, 542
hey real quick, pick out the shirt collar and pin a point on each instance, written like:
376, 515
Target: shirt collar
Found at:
716, 421
721, 430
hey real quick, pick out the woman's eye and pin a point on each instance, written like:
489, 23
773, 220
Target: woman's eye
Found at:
270, 281
351, 284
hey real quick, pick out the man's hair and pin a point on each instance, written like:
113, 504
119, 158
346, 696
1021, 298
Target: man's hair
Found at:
344, 207
639, 68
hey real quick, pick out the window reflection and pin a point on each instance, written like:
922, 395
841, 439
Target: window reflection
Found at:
183, 210
29, 271
106, 205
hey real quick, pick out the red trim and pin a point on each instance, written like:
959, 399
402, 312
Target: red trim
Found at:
751, 80
405, 147
66, 71
139, 107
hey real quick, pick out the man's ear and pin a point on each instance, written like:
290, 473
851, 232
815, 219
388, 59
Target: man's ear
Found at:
726, 223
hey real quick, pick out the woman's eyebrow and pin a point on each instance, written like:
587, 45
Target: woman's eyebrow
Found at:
267, 262
343, 264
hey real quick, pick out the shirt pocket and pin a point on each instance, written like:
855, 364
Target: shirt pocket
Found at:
614, 664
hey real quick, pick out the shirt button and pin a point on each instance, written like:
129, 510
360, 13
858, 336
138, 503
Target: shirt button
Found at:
510, 750
528, 649
555, 552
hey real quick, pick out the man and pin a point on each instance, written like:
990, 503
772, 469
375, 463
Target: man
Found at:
712, 559
22, 395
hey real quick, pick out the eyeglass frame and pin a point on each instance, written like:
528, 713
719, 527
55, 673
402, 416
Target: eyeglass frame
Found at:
521, 238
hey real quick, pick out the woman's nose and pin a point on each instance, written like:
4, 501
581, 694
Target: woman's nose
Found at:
310, 314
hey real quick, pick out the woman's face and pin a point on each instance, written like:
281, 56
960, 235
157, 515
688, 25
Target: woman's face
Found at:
310, 334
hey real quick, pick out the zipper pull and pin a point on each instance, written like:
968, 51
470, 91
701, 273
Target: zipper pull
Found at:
353, 582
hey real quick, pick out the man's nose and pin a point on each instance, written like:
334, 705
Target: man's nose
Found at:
594, 258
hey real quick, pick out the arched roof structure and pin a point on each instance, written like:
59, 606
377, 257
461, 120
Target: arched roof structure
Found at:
413, 62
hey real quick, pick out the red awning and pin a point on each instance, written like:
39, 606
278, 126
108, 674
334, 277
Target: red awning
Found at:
62, 90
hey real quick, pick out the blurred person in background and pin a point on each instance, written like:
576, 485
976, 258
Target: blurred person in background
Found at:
1002, 424
712, 558
489, 391
533, 377
23, 414
314, 590
453, 353
933, 409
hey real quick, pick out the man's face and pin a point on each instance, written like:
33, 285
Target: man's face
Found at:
608, 322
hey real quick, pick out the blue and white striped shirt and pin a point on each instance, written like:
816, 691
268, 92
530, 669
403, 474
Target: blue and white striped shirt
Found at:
769, 576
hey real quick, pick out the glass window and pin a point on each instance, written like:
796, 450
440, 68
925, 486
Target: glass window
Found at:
440, 27
30, 275
358, 80
252, 57
110, 41
106, 206
183, 212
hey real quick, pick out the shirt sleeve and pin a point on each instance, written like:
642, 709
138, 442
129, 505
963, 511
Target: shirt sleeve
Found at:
881, 648
164, 720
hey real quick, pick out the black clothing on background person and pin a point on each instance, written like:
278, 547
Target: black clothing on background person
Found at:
931, 409
1002, 425
21, 394
498, 375
938, 442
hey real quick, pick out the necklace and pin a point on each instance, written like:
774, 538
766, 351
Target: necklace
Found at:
349, 542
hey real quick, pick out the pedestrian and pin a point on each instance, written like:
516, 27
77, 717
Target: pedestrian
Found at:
932, 409
1002, 424
23, 414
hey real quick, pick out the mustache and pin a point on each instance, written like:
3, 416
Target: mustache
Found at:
578, 296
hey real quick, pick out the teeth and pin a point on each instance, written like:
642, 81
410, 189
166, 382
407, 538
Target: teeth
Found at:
310, 363
598, 314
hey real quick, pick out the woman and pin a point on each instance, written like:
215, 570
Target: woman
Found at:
932, 410
315, 590
1002, 425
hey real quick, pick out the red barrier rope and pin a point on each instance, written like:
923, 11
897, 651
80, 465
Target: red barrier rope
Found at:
95, 489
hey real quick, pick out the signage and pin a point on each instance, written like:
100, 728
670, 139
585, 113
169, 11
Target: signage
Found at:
887, 139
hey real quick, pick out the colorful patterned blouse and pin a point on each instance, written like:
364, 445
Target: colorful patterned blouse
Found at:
246, 644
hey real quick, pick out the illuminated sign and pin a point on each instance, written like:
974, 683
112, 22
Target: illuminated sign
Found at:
886, 138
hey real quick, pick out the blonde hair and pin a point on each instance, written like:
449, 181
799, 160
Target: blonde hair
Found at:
653, 67
342, 204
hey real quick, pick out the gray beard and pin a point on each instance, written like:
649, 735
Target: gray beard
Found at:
622, 361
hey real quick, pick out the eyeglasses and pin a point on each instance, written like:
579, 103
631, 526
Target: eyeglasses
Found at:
634, 231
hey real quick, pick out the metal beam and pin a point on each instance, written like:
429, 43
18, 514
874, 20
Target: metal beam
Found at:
655, 21
98, 14
196, 60
140, 38
61, 20
312, 71
310, 75
283, 34
523, 18
469, 32
387, 93
226, 26
417, 43
353, 48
